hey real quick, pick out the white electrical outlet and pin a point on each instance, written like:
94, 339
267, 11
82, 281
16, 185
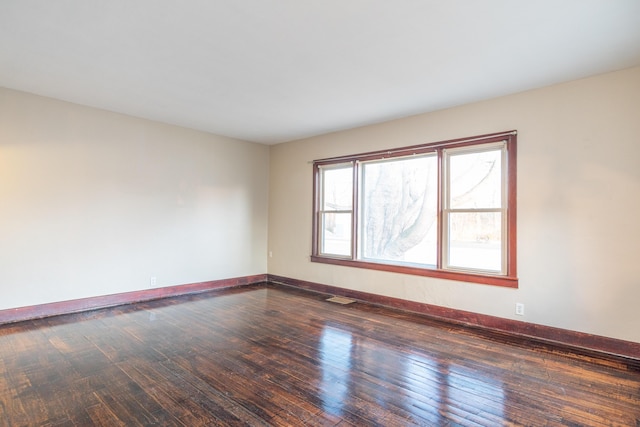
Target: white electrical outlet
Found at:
519, 309
152, 282
270, 254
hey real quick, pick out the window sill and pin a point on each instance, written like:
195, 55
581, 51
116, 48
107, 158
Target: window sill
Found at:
504, 281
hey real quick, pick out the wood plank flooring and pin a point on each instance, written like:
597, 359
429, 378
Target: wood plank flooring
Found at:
264, 355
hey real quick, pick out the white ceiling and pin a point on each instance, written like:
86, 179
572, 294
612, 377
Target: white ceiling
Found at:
276, 70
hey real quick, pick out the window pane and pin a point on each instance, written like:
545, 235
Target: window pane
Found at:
337, 188
336, 234
475, 180
475, 240
399, 210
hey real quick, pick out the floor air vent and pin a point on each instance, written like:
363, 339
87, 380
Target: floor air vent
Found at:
341, 300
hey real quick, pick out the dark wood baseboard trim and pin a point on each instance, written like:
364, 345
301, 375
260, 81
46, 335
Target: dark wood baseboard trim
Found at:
92, 303
556, 339
563, 340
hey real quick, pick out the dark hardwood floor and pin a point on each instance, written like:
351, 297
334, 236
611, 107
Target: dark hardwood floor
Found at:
265, 355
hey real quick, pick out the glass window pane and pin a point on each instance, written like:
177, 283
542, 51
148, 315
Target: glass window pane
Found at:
475, 240
337, 188
399, 210
336, 234
475, 180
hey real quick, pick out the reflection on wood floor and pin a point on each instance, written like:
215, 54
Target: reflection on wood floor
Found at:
265, 355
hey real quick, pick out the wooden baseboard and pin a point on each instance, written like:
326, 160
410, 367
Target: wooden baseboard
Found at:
599, 347
92, 303
566, 341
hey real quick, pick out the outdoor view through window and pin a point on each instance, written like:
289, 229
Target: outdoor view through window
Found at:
436, 207
473, 209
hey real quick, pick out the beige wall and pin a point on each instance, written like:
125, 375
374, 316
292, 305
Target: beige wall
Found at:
578, 201
95, 203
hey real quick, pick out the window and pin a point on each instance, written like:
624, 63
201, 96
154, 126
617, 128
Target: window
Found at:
446, 210
336, 210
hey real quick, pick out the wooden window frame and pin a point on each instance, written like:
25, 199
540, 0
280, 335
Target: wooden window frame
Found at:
322, 211
509, 279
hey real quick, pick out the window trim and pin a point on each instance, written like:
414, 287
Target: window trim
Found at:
509, 279
447, 210
321, 211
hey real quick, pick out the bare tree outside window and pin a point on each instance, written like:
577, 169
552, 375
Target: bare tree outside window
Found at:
400, 210
474, 210
444, 209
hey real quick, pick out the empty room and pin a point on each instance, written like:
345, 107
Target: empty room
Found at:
321, 213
